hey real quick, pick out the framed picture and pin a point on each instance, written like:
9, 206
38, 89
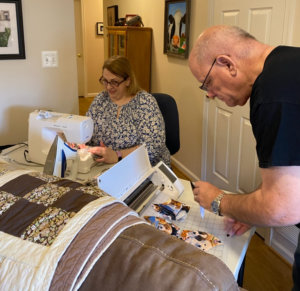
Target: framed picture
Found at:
100, 28
176, 29
112, 15
11, 30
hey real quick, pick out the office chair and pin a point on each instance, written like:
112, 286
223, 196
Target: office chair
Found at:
168, 108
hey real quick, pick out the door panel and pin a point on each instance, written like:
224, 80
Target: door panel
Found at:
231, 155
221, 150
264, 19
248, 164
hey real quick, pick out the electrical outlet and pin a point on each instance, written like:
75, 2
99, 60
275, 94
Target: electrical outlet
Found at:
49, 59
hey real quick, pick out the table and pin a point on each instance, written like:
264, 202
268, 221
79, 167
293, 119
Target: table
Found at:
233, 250
15, 155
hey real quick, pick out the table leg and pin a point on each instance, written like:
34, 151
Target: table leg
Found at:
241, 274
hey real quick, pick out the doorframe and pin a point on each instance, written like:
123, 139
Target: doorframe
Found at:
83, 45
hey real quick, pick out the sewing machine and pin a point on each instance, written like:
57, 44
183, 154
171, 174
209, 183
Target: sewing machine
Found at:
47, 136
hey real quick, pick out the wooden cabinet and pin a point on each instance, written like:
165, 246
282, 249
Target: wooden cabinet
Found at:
135, 43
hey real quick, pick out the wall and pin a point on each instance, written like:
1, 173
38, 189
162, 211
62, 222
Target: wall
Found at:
25, 85
93, 46
49, 25
171, 75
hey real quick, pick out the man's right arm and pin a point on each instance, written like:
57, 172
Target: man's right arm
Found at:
276, 203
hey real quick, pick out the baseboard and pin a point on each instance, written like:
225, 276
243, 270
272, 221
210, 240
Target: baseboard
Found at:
184, 169
92, 94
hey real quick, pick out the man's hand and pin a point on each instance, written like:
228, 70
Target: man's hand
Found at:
233, 227
205, 193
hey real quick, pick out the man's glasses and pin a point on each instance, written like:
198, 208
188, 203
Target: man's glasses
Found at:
204, 86
112, 83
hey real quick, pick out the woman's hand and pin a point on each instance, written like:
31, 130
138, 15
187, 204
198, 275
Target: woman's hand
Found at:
104, 154
82, 146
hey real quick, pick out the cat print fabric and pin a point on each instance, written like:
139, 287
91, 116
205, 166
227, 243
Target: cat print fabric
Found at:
172, 210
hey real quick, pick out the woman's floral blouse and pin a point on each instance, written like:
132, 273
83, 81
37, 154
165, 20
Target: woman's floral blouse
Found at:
139, 122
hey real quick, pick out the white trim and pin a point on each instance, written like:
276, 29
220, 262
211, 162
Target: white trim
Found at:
92, 94
289, 20
284, 241
84, 49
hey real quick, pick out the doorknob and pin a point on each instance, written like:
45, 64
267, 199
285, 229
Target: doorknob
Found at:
79, 55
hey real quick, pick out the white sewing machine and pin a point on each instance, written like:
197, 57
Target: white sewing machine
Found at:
45, 127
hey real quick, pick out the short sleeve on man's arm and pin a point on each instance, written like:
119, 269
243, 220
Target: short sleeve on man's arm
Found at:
277, 132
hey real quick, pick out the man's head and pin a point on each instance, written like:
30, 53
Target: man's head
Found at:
222, 60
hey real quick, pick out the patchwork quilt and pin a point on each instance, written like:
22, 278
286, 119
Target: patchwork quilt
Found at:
56, 234
53, 230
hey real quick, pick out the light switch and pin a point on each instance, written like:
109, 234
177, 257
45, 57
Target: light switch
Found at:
49, 59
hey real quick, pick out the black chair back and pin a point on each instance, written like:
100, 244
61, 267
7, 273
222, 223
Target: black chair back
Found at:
168, 108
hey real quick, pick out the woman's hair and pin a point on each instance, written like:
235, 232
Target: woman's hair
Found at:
120, 66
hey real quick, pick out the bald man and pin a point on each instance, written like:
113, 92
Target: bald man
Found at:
233, 66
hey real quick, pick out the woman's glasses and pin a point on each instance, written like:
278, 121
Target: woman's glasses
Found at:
112, 83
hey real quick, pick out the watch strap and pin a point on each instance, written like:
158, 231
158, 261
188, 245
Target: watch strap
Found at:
215, 205
119, 154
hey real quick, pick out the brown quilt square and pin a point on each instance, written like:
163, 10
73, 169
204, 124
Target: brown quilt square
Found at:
21, 185
68, 183
15, 220
74, 200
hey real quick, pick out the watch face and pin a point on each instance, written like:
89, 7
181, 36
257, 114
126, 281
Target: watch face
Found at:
215, 207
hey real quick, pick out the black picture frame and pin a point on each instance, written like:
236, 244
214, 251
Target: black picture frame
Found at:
12, 45
112, 15
99, 28
177, 20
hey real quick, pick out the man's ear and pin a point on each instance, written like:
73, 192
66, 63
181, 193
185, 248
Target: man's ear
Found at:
227, 61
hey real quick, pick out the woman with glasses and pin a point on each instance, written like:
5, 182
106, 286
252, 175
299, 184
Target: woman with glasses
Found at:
125, 117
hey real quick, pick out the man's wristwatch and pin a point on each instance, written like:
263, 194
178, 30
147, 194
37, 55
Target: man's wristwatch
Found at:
215, 205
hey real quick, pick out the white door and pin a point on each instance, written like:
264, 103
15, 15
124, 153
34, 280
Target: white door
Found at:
229, 156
